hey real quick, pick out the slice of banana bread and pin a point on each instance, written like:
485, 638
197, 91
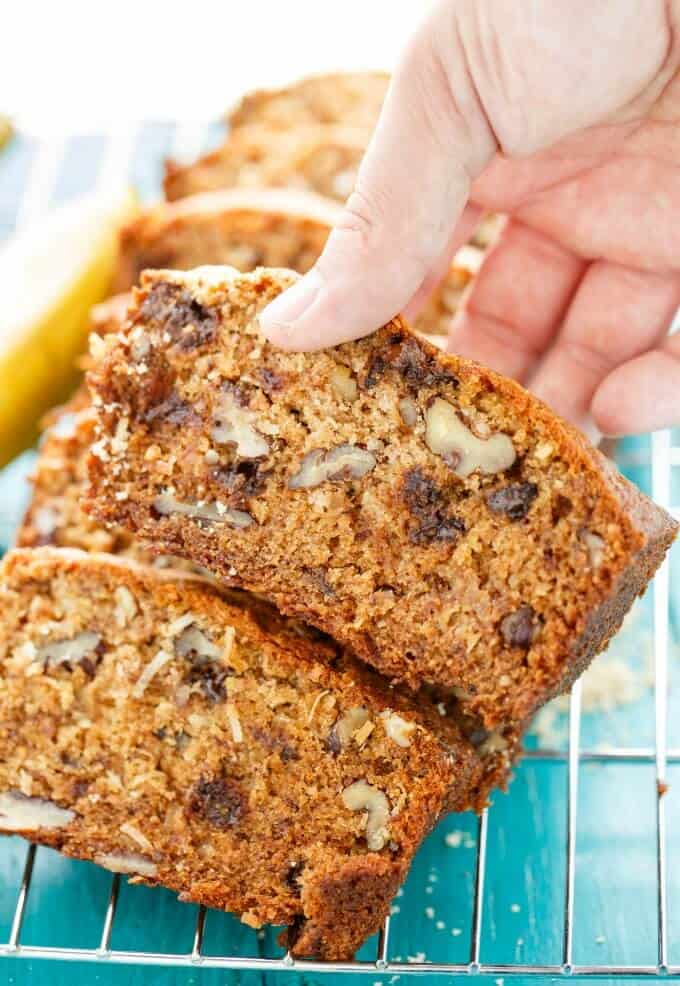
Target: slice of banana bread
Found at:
351, 98
242, 227
247, 227
155, 728
426, 511
322, 159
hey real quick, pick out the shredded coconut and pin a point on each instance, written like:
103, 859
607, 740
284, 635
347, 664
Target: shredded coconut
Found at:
152, 669
127, 828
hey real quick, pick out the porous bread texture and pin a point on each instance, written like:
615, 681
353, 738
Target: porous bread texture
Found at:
151, 726
321, 159
248, 227
429, 513
350, 98
241, 227
55, 515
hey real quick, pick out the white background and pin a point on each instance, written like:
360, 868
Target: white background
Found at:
67, 66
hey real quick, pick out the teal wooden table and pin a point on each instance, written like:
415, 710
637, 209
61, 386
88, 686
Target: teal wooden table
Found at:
488, 899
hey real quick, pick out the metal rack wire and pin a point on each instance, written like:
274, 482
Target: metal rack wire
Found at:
664, 457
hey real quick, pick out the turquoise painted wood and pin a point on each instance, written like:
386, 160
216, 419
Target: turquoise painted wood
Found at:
615, 899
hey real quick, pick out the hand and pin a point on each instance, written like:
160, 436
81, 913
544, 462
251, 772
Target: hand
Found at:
565, 116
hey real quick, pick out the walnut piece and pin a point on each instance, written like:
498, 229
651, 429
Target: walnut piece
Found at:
21, 814
211, 513
73, 650
461, 449
594, 545
340, 464
126, 607
399, 730
195, 645
362, 796
234, 425
132, 863
408, 409
349, 723
343, 383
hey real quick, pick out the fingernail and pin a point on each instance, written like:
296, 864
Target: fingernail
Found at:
277, 320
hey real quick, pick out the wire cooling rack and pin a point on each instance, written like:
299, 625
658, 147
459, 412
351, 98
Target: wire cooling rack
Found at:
385, 960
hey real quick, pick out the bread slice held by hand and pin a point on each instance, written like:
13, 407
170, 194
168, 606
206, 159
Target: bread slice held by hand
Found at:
425, 511
151, 726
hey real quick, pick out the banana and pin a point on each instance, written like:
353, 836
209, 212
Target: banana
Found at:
50, 276
6, 130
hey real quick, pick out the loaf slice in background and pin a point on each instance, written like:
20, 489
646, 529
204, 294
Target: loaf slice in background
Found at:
151, 726
350, 98
248, 227
425, 511
322, 159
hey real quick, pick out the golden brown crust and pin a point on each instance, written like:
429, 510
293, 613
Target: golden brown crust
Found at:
149, 724
501, 579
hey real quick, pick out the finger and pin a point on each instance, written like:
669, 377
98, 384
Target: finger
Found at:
411, 189
516, 302
617, 313
642, 394
465, 227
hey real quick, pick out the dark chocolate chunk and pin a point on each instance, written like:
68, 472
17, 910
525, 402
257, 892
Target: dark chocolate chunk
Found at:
409, 359
189, 324
333, 744
514, 500
218, 800
172, 410
211, 678
519, 629
428, 504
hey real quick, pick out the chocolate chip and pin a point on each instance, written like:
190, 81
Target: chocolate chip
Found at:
333, 744
189, 324
275, 742
376, 369
408, 358
519, 629
514, 500
219, 801
242, 480
427, 503
171, 410
211, 677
